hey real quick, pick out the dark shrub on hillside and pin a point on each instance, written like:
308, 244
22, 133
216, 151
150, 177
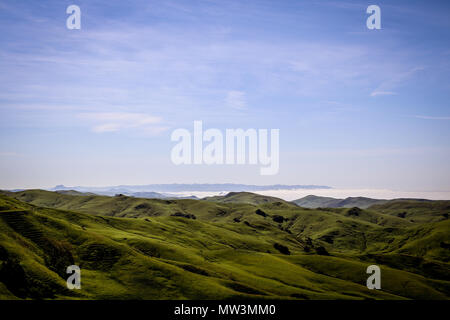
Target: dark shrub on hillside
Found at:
194, 269
236, 220
327, 238
354, 211
184, 215
278, 204
322, 251
261, 213
278, 219
281, 248
445, 245
3, 253
142, 206
221, 212
401, 214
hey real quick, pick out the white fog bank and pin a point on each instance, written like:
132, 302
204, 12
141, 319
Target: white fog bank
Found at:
290, 195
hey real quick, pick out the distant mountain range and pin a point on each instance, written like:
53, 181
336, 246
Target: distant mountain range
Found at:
228, 193
147, 195
163, 190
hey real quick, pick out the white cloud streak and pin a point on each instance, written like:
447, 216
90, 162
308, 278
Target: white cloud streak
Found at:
118, 121
431, 117
396, 80
382, 93
236, 100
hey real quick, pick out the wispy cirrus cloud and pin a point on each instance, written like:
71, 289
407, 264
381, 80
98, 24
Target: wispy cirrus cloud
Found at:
118, 121
387, 87
382, 93
431, 117
236, 100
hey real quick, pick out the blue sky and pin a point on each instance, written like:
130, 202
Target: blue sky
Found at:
355, 107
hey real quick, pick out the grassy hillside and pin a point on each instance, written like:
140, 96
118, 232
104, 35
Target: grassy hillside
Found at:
415, 210
327, 202
245, 197
131, 248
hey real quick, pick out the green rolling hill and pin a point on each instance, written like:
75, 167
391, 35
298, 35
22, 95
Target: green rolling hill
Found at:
239, 248
246, 197
328, 202
415, 210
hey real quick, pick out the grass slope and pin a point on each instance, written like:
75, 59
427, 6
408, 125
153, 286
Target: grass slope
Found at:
245, 197
327, 202
416, 210
131, 248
